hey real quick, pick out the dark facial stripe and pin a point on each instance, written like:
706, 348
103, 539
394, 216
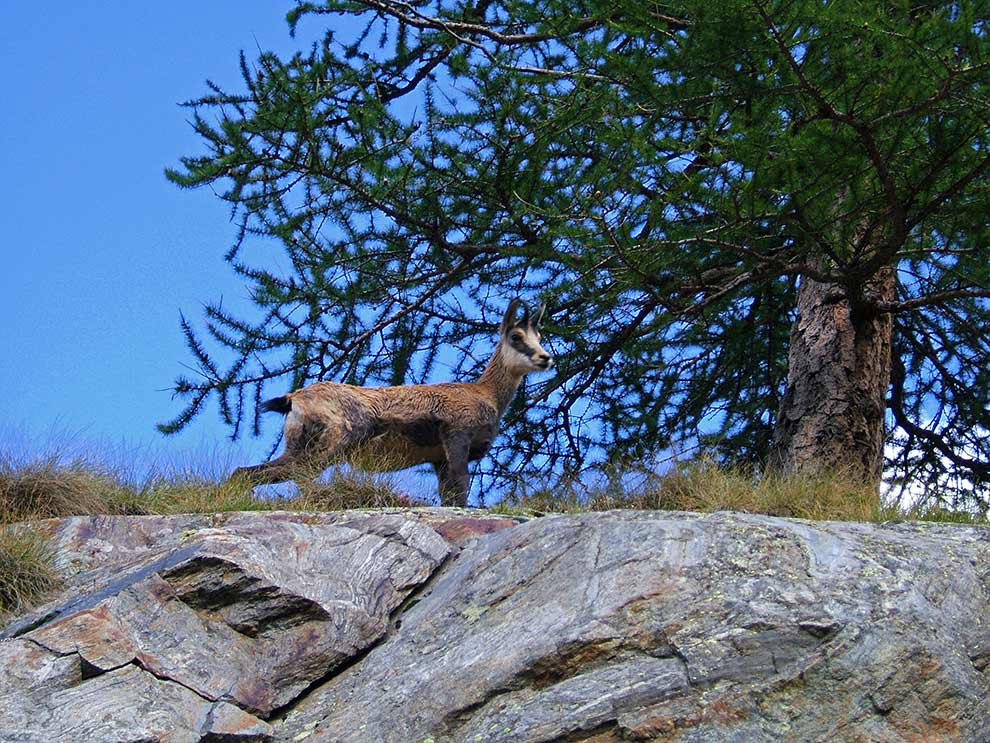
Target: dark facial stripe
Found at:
521, 346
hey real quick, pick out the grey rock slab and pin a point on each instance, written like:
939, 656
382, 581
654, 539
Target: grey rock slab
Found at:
591, 699
660, 626
124, 705
249, 609
30, 676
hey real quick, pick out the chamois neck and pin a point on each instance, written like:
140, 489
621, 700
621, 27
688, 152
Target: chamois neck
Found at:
502, 382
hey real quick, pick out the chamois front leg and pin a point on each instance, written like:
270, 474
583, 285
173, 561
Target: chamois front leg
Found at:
452, 474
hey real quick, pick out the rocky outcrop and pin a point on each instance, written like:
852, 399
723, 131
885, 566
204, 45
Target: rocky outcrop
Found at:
449, 626
193, 627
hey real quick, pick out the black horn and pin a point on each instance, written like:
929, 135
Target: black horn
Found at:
526, 313
509, 318
537, 321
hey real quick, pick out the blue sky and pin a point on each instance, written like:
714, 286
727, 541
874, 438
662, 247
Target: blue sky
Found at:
100, 253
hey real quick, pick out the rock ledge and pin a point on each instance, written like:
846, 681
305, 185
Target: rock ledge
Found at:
453, 626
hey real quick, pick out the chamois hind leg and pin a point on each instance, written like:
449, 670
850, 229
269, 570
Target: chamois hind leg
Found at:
282, 468
308, 445
304, 470
452, 474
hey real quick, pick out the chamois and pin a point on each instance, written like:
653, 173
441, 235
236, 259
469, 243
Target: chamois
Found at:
447, 424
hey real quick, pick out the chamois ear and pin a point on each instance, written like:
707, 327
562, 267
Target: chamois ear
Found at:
537, 320
509, 318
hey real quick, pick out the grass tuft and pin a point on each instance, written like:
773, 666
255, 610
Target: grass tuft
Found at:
705, 487
50, 487
26, 572
189, 493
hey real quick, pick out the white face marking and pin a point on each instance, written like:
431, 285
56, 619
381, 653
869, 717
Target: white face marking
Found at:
522, 352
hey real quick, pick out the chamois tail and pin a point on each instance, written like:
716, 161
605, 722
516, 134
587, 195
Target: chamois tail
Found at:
278, 405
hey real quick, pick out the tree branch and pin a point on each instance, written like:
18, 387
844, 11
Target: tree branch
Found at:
931, 299
948, 192
411, 16
896, 405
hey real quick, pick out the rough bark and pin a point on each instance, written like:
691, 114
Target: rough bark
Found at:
831, 417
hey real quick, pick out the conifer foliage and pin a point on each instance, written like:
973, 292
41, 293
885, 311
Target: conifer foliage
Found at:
675, 179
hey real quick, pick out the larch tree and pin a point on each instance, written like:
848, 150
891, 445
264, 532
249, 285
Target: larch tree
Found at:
760, 226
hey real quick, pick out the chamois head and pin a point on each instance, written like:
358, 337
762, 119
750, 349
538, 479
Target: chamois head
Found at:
519, 341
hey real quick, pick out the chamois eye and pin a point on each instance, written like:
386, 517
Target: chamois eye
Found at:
517, 336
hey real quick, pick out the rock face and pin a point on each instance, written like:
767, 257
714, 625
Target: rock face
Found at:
183, 628
434, 625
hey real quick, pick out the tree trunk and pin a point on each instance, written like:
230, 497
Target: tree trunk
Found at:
831, 417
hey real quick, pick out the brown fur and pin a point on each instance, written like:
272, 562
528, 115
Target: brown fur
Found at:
392, 428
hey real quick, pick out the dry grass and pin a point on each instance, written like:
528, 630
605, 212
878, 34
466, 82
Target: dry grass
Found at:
26, 573
351, 489
197, 494
706, 487
50, 486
